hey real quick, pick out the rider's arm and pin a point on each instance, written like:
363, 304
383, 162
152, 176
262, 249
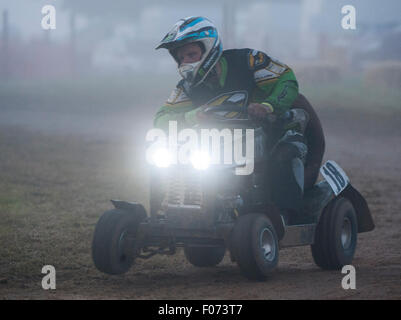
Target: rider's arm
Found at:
177, 108
276, 86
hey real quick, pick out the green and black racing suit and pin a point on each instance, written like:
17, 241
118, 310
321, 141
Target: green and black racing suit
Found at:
266, 80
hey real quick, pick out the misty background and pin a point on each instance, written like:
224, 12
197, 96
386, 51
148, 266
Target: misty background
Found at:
100, 59
76, 103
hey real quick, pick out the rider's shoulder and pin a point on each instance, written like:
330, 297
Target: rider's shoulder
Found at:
254, 59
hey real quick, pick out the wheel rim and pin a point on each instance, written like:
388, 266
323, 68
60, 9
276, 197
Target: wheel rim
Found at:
346, 233
267, 244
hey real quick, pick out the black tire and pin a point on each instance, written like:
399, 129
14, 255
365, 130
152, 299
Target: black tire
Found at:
248, 236
113, 241
204, 256
336, 235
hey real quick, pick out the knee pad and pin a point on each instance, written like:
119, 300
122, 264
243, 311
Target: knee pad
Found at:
291, 145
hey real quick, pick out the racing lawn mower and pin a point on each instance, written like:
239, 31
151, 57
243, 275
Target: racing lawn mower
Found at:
209, 209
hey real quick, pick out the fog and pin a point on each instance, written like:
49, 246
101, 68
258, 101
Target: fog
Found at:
106, 36
77, 101
101, 55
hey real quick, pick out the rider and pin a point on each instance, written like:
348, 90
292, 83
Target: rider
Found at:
272, 88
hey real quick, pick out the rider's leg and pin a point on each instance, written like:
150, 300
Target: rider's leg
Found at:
287, 172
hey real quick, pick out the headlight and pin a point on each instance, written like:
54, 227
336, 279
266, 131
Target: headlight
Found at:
161, 158
200, 160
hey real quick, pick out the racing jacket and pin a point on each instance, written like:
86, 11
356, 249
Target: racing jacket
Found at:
264, 78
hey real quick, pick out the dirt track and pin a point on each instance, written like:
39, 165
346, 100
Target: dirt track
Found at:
65, 180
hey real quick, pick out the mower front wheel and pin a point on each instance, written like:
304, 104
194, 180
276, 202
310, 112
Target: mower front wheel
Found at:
114, 240
254, 245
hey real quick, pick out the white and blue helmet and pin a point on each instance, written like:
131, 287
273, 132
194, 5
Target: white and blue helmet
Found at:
189, 30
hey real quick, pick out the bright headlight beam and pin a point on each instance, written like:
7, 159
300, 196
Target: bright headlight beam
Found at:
200, 160
161, 158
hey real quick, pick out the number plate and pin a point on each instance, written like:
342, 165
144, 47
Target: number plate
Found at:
335, 176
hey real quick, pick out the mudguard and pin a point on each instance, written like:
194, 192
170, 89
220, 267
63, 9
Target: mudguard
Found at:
363, 215
132, 207
339, 182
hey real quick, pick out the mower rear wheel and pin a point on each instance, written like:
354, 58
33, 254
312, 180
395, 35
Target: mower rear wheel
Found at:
336, 235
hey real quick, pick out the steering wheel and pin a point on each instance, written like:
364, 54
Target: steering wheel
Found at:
229, 107
232, 107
